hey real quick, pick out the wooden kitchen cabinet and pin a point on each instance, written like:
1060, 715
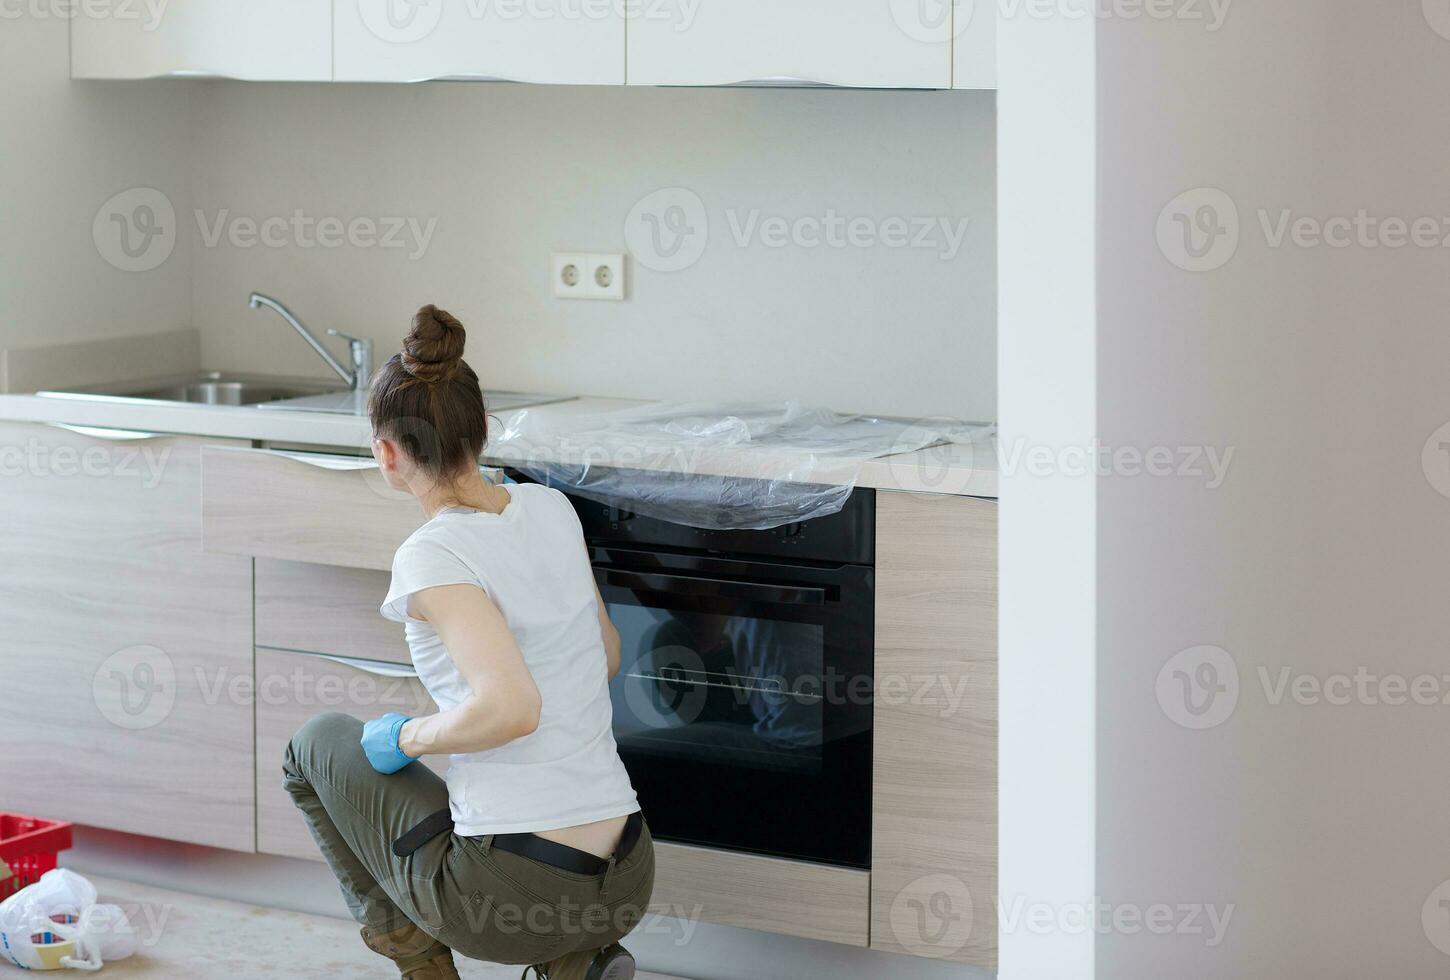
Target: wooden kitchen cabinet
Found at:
261, 40
750, 891
125, 651
306, 507
293, 687
934, 812
563, 43
862, 43
326, 609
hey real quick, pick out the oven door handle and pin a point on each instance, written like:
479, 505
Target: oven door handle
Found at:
796, 595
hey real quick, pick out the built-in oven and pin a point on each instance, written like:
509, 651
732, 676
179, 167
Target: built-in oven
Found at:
743, 704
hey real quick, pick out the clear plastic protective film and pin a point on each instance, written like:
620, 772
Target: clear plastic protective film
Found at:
716, 466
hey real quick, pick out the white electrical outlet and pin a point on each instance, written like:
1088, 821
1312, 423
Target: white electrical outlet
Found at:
581, 275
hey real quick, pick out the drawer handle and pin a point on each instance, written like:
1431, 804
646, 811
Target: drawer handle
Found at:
377, 668
467, 77
716, 588
110, 435
782, 81
324, 462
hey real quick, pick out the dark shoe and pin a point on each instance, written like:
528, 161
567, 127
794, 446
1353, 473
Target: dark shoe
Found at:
613, 962
418, 955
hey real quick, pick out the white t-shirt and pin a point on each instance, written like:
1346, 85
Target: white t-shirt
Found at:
531, 560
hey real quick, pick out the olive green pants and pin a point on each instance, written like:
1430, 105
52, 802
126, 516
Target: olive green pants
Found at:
481, 902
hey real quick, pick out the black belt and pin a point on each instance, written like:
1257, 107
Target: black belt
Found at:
531, 846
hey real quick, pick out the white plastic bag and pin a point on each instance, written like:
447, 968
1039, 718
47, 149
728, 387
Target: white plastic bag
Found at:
56, 924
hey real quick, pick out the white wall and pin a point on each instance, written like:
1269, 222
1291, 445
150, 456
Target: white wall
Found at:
65, 149
1048, 547
513, 172
1324, 552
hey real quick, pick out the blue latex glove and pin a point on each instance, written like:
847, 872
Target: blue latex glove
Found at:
380, 742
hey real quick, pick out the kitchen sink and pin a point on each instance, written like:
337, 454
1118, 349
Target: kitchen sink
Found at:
209, 388
261, 391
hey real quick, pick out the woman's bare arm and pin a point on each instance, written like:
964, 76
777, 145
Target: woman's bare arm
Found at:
610, 635
505, 702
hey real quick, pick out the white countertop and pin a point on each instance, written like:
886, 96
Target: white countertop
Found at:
963, 470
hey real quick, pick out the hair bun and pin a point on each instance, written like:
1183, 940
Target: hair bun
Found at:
433, 349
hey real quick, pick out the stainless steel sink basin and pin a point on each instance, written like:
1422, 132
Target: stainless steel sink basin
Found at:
282, 394
210, 388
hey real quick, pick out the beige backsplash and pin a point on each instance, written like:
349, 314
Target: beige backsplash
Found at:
93, 362
512, 172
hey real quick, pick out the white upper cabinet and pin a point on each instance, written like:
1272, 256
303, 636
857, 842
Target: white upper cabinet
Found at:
262, 40
974, 47
565, 42
865, 43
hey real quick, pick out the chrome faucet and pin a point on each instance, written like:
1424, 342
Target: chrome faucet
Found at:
360, 350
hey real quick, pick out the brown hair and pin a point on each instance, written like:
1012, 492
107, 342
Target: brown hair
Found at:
427, 399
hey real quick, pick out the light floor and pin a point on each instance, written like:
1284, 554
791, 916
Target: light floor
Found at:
185, 937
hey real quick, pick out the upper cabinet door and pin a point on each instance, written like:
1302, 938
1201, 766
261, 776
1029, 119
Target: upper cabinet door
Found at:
565, 42
261, 40
974, 46
865, 43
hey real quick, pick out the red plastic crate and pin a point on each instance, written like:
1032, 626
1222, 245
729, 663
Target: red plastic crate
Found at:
29, 846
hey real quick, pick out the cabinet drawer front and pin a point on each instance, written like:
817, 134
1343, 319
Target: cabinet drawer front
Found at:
263, 40
293, 687
791, 898
865, 43
302, 507
326, 609
560, 43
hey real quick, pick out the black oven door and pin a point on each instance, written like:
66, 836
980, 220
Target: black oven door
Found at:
742, 707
